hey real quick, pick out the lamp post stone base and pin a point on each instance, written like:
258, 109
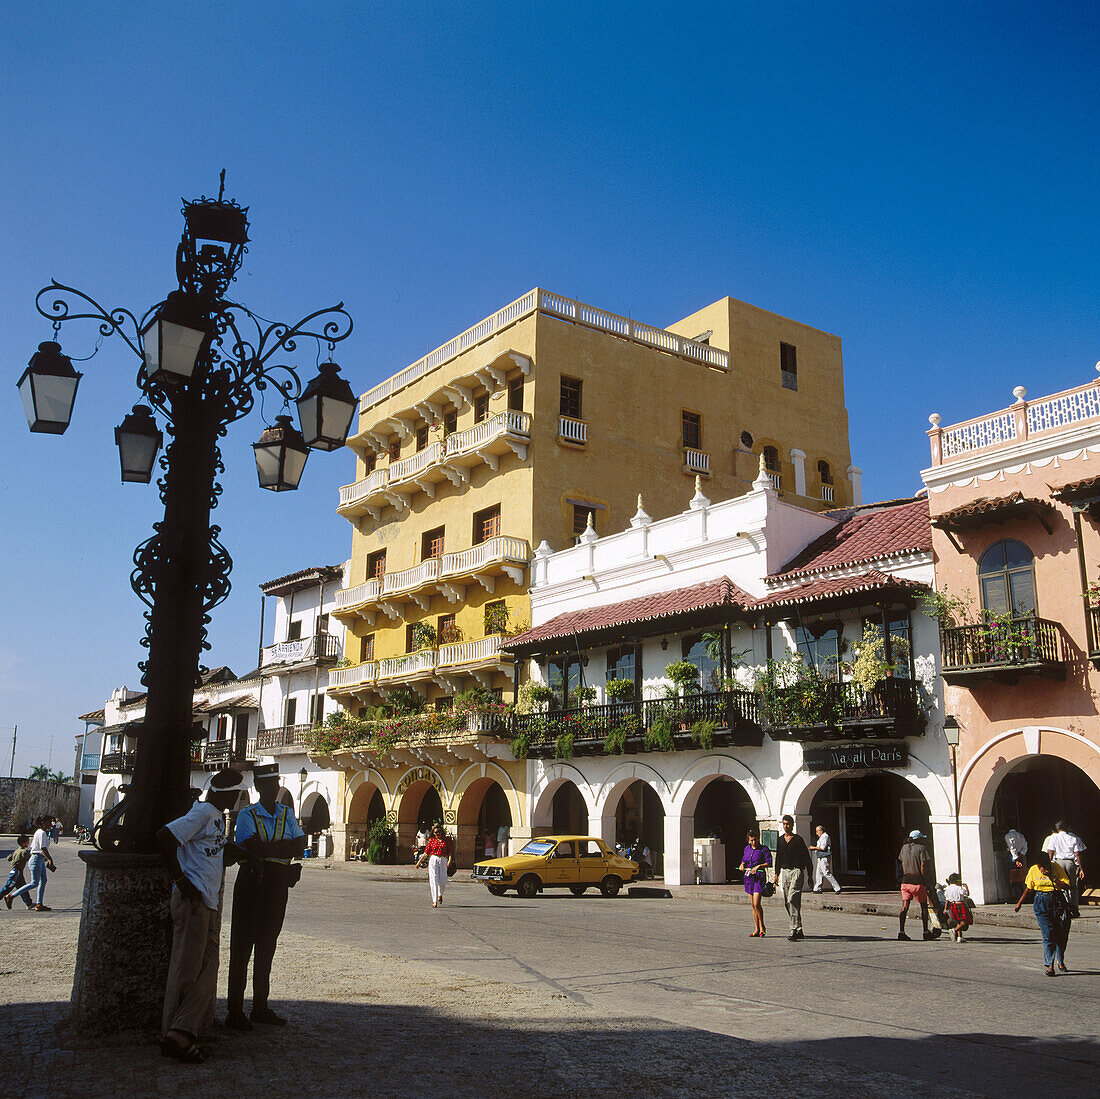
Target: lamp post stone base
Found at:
124, 945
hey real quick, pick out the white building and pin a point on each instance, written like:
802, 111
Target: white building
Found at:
728, 587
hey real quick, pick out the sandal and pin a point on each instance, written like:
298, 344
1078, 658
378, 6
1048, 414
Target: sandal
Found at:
193, 1054
755, 935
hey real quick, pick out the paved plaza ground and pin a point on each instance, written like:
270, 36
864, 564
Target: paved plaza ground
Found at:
578, 996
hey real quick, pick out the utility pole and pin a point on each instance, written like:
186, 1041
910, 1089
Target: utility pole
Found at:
11, 766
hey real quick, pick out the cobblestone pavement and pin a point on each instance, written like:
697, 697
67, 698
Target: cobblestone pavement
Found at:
389, 997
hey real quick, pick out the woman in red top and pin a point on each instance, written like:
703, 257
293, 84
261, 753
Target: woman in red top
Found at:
438, 855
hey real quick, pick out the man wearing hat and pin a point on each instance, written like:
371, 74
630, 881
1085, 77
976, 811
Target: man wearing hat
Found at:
271, 832
915, 861
194, 848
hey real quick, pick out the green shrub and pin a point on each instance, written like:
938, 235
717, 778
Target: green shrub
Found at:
563, 746
381, 840
658, 737
702, 732
619, 690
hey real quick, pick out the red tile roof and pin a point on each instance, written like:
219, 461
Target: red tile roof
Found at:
831, 587
868, 534
711, 593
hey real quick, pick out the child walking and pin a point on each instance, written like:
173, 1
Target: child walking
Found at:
18, 859
959, 906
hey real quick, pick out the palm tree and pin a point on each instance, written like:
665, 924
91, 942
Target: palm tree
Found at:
41, 772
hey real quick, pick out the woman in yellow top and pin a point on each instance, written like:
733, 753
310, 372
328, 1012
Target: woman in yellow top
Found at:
1041, 883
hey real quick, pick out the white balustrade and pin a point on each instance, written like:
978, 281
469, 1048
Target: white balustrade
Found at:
776, 480
827, 493
974, 434
416, 463
576, 431
361, 593
555, 305
470, 652
411, 579
492, 551
351, 677
470, 438
698, 461
362, 490
1064, 409
399, 667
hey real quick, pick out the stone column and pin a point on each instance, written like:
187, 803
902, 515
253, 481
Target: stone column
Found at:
124, 945
679, 850
603, 828
798, 459
855, 476
339, 842
465, 849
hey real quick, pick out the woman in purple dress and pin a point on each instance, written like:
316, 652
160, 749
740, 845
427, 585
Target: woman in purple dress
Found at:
755, 863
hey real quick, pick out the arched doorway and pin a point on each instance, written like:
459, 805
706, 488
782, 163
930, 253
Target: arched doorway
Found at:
1035, 792
315, 814
639, 814
868, 817
724, 812
284, 797
483, 808
367, 805
420, 807
568, 812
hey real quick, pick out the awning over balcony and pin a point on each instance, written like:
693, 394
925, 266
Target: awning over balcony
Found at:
993, 509
841, 591
1081, 495
711, 601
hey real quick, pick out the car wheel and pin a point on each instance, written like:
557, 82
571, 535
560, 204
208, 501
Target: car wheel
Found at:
610, 886
577, 890
496, 890
528, 886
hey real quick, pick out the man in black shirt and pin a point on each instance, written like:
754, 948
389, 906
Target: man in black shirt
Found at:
792, 869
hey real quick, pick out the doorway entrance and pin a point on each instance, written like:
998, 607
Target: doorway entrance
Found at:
868, 818
640, 815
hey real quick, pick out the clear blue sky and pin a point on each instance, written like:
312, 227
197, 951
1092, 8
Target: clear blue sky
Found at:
919, 178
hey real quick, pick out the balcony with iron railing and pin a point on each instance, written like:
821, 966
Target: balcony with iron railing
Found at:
321, 648
89, 761
733, 714
447, 459
844, 711
1002, 650
117, 763
448, 573
282, 736
227, 753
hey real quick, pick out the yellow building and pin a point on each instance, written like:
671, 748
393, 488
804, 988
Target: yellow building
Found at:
543, 418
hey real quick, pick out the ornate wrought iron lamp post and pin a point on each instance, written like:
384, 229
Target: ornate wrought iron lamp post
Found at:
203, 358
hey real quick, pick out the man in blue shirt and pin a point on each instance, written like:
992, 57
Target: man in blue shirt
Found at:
269, 830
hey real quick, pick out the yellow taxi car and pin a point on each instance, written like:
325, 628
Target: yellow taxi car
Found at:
575, 863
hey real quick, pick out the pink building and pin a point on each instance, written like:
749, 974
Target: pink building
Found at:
1015, 506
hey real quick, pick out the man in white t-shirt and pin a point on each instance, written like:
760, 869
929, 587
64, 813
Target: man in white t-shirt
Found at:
823, 853
40, 861
1065, 849
194, 848
503, 835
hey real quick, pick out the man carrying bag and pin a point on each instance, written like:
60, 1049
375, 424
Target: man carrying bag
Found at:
270, 831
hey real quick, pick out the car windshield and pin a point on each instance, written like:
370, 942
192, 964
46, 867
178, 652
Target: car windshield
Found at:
537, 847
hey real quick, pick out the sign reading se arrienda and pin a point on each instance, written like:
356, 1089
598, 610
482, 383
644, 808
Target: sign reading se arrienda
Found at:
850, 757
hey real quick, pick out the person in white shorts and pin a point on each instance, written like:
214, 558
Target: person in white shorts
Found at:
823, 853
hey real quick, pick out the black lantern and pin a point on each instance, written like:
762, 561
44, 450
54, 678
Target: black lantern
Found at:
173, 339
48, 388
281, 456
325, 409
138, 439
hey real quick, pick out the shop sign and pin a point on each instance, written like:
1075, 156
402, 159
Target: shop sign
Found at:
418, 774
853, 757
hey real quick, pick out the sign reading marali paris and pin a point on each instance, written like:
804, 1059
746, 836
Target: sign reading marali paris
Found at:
851, 757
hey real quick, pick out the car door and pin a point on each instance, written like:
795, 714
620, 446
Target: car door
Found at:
591, 862
563, 864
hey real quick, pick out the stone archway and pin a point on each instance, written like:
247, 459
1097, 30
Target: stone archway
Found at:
421, 796
636, 813
1005, 758
315, 814
554, 800
482, 806
365, 807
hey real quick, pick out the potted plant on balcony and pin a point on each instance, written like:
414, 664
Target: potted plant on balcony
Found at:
479, 708
424, 636
619, 690
870, 667
584, 696
658, 737
496, 618
404, 700
537, 696
794, 695
702, 732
